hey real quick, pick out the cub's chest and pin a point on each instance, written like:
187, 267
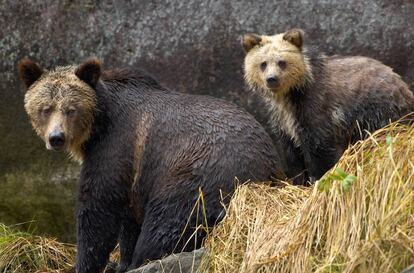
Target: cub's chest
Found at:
282, 115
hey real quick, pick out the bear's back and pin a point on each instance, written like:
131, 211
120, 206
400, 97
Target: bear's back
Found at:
364, 78
140, 89
230, 135
364, 90
179, 126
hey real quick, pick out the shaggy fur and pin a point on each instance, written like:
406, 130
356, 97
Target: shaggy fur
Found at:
146, 153
321, 104
59, 100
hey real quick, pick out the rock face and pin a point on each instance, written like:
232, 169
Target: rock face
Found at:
191, 46
185, 262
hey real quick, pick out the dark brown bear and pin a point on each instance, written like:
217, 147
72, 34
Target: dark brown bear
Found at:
145, 152
321, 104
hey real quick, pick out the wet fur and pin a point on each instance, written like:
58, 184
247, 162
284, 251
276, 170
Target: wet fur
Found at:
335, 103
149, 152
350, 96
61, 89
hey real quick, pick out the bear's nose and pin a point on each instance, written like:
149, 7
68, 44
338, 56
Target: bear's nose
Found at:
272, 81
56, 140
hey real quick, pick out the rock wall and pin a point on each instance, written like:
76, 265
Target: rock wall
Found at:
191, 46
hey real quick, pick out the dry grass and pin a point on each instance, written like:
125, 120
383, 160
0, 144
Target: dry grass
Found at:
21, 252
358, 218
25, 253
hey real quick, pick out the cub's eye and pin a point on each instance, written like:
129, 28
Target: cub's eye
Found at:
282, 64
46, 111
71, 112
263, 66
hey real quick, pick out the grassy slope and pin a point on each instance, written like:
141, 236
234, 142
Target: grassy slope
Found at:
358, 218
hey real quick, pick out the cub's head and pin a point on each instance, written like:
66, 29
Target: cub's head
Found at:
274, 64
61, 103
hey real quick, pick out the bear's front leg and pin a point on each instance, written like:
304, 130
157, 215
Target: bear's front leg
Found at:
294, 161
97, 233
102, 202
128, 237
319, 158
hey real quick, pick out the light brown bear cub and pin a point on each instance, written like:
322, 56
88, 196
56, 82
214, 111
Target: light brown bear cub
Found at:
320, 103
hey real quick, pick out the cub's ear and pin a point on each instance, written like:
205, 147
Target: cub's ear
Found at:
89, 71
250, 40
29, 71
295, 37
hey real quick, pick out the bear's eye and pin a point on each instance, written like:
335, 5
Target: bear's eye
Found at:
70, 112
282, 64
263, 66
46, 111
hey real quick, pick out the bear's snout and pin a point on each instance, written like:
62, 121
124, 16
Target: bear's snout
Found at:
56, 140
272, 82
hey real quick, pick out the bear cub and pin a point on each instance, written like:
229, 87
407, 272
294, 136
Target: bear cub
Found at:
146, 154
321, 104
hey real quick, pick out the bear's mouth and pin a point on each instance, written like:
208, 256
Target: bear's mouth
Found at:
273, 86
274, 89
54, 148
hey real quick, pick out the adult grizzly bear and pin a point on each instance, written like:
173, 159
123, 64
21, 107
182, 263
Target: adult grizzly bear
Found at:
145, 153
321, 104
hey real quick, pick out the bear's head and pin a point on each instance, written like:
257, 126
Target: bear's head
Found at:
61, 103
275, 64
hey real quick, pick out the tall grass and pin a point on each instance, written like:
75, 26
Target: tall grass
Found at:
358, 218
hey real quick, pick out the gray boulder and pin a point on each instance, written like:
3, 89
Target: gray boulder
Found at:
409, 269
185, 262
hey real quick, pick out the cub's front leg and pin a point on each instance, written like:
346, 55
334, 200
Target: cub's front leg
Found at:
320, 154
294, 161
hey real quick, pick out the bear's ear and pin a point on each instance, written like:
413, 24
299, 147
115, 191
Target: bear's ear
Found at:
295, 37
250, 40
89, 71
29, 71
